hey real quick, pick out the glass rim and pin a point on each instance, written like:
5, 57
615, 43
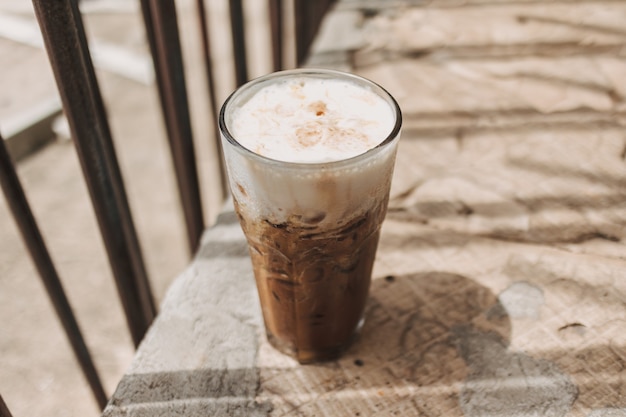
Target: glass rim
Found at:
376, 88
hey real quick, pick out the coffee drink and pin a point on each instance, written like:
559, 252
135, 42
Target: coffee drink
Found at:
310, 157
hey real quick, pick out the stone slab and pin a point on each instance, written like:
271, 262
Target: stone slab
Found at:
497, 288
199, 357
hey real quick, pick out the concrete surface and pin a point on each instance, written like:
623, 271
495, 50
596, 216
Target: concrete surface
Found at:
497, 289
221, 363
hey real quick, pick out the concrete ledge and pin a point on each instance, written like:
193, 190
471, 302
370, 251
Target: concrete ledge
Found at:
199, 356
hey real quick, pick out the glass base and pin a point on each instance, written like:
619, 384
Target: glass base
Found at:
307, 356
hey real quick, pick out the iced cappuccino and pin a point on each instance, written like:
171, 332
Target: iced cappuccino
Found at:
310, 157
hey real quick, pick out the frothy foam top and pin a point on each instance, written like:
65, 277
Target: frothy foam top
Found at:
312, 120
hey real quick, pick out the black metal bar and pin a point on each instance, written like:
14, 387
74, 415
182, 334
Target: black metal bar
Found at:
239, 41
25, 220
151, 37
308, 17
66, 44
208, 65
301, 26
162, 30
4, 410
276, 25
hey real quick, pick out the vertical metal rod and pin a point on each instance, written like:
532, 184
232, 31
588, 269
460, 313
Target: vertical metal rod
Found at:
150, 35
208, 65
4, 410
276, 24
66, 44
25, 220
301, 27
239, 41
162, 30
308, 17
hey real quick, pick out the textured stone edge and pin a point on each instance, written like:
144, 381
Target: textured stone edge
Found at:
199, 356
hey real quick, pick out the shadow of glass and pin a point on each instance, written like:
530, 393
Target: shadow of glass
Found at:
447, 338
407, 357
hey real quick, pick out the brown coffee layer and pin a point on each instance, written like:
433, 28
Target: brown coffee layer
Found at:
312, 281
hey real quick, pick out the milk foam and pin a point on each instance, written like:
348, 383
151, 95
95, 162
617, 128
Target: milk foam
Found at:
271, 111
312, 120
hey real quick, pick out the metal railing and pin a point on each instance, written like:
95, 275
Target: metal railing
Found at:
61, 24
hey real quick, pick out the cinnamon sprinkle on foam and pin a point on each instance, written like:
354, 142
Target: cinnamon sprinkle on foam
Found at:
312, 120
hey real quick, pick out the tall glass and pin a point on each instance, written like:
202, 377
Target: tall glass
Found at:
312, 229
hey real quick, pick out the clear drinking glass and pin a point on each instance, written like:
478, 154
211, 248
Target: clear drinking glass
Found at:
312, 229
